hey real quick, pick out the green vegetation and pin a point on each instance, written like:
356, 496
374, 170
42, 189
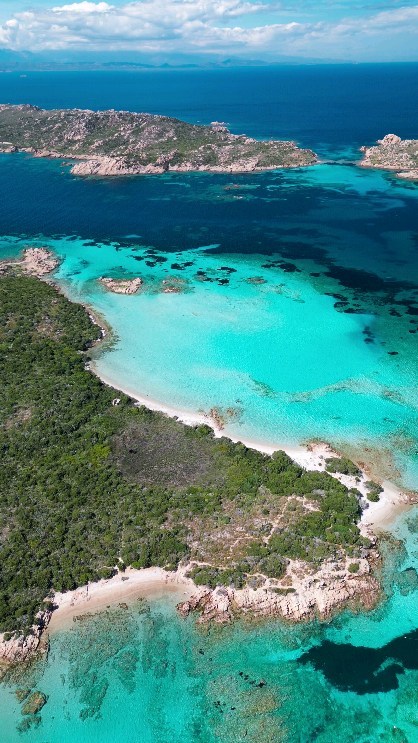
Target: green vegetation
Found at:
373, 491
212, 577
343, 466
353, 567
394, 153
137, 140
86, 486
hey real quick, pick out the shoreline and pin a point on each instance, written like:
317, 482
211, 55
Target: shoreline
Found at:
393, 501
376, 517
316, 593
398, 172
126, 587
206, 148
84, 166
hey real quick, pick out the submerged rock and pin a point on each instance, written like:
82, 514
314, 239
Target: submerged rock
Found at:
408, 581
31, 721
22, 694
34, 703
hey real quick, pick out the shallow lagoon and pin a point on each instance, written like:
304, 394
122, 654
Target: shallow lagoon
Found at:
297, 309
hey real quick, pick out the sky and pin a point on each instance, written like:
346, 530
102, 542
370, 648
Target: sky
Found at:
352, 30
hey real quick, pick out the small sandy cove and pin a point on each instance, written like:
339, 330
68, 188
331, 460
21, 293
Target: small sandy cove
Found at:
132, 584
124, 587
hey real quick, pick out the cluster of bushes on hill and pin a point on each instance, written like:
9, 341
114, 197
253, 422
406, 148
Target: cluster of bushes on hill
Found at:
86, 485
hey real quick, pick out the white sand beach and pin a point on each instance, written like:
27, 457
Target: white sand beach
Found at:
124, 587
377, 516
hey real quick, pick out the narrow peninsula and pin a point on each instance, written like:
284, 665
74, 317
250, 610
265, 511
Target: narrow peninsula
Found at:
116, 143
393, 153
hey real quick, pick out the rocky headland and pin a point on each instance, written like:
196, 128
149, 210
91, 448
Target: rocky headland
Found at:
303, 593
37, 262
118, 143
393, 153
21, 648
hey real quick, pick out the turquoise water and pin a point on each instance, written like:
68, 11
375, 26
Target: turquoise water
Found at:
143, 674
323, 343
290, 345
285, 354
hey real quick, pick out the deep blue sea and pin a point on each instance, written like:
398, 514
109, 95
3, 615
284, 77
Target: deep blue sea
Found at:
329, 327
327, 107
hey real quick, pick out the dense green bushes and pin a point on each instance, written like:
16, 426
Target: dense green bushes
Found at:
373, 491
342, 465
212, 577
85, 486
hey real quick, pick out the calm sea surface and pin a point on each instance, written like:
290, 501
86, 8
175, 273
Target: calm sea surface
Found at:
322, 344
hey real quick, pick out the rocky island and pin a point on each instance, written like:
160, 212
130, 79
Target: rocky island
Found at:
121, 286
393, 153
116, 143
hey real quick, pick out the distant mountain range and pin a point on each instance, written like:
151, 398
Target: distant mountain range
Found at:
60, 60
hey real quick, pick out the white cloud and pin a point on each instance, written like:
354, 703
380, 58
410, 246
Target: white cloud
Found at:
83, 7
205, 26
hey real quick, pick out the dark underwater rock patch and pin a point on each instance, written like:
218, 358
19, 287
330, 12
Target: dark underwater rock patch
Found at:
284, 265
365, 670
202, 276
408, 581
181, 266
366, 281
368, 335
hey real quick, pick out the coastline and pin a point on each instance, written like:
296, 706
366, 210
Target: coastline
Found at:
103, 166
397, 171
206, 148
221, 604
125, 587
394, 155
316, 592
376, 517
